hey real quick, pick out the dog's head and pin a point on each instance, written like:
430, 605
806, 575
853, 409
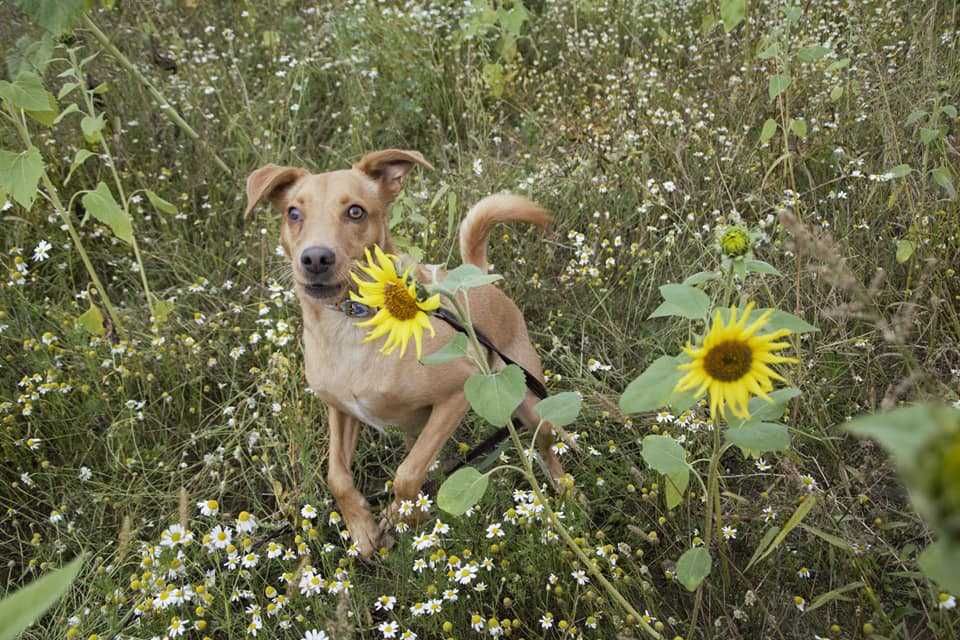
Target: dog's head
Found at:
329, 219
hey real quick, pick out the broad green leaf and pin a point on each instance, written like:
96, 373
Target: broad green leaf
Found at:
654, 387
770, 51
792, 14
915, 116
496, 396
832, 595
66, 89
82, 155
561, 409
941, 175
812, 54
462, 490
902, 432
836, 93
732, 12
26, 92
756, 438
778, 84
29, 54
929, 134
799, 127
682, 300
55, 16
512, 20
768, 131
837, 65
92, 128
467, 276
159, 203
693, 567
674, 486
900, 171
49, 116
664, 455
783, 320
454, 349
759, 266
950, 110
702, 277
905, 249
760, 410
23, 607
20, 173
797, 517
71, 108
91, 321
495, 78
100, 204
940, 562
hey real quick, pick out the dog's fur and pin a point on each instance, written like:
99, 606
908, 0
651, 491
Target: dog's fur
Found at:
357, 383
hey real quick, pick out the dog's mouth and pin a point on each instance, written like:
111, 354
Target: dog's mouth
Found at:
321, 291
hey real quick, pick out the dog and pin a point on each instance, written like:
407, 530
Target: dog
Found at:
329, 221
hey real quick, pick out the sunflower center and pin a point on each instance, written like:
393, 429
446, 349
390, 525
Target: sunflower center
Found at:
398, 301
729, 360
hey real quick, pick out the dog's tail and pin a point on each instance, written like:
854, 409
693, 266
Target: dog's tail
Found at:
480, 220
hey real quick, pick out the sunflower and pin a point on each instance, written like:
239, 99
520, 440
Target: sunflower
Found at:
401, 313
733, 362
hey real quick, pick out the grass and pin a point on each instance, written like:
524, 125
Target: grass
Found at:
641, 132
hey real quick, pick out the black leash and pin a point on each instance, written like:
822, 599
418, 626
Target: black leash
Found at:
534, 384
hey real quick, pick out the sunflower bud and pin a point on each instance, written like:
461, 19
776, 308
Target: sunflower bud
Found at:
735, 242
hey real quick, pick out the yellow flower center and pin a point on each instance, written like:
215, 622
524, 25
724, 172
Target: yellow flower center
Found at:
728, 361
398, 302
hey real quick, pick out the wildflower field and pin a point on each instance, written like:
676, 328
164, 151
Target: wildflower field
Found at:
748, 310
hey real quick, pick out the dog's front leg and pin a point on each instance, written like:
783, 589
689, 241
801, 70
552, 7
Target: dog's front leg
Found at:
344, 431
444, 419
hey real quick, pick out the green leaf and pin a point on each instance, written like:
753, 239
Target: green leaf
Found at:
496, 396
92, 127
561, 409
778, 84
940, 562
682, 300
836, 93
29, 54
56, 16
832, 595
941, 175
768, 131
929, 134
693, 567
702, 277
91, 321
793, 14
20, 173
759, 266
756, 438
462, 490
653, 389
26, 92
783, 320
49, 116
674, 485
159, 203
915, 116
905, 249
902, 432
71, 108
82, 155
771, 51
765, 541
512, 20
161, 311
900, 171
732, 12
797, 517
761, 410
454, 349
22, 608
467, 276
812, 54
950, 110
799, 127
664, 455
100, 204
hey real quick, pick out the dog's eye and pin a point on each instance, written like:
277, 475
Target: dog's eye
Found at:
294, 214
356, 212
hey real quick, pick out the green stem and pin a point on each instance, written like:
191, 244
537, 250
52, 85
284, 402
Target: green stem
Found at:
64, 214
165, 105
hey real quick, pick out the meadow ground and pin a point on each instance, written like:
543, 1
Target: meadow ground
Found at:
646, 128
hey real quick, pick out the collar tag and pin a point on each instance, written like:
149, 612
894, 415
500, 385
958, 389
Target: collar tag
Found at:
355, 309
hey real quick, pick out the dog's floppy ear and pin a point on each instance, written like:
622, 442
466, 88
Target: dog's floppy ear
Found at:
389, 167
268, 182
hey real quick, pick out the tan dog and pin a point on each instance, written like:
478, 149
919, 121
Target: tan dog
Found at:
329, 219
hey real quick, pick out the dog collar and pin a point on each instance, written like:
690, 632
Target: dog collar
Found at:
353, 309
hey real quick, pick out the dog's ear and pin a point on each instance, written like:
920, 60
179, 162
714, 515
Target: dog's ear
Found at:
389, 167
270, 181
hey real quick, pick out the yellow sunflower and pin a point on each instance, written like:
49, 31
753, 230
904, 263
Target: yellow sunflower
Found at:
733, 362
401, 313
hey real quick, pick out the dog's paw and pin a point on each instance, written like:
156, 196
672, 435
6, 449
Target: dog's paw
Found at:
366, 535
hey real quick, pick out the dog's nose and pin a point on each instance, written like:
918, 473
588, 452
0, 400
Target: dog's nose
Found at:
317, 260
